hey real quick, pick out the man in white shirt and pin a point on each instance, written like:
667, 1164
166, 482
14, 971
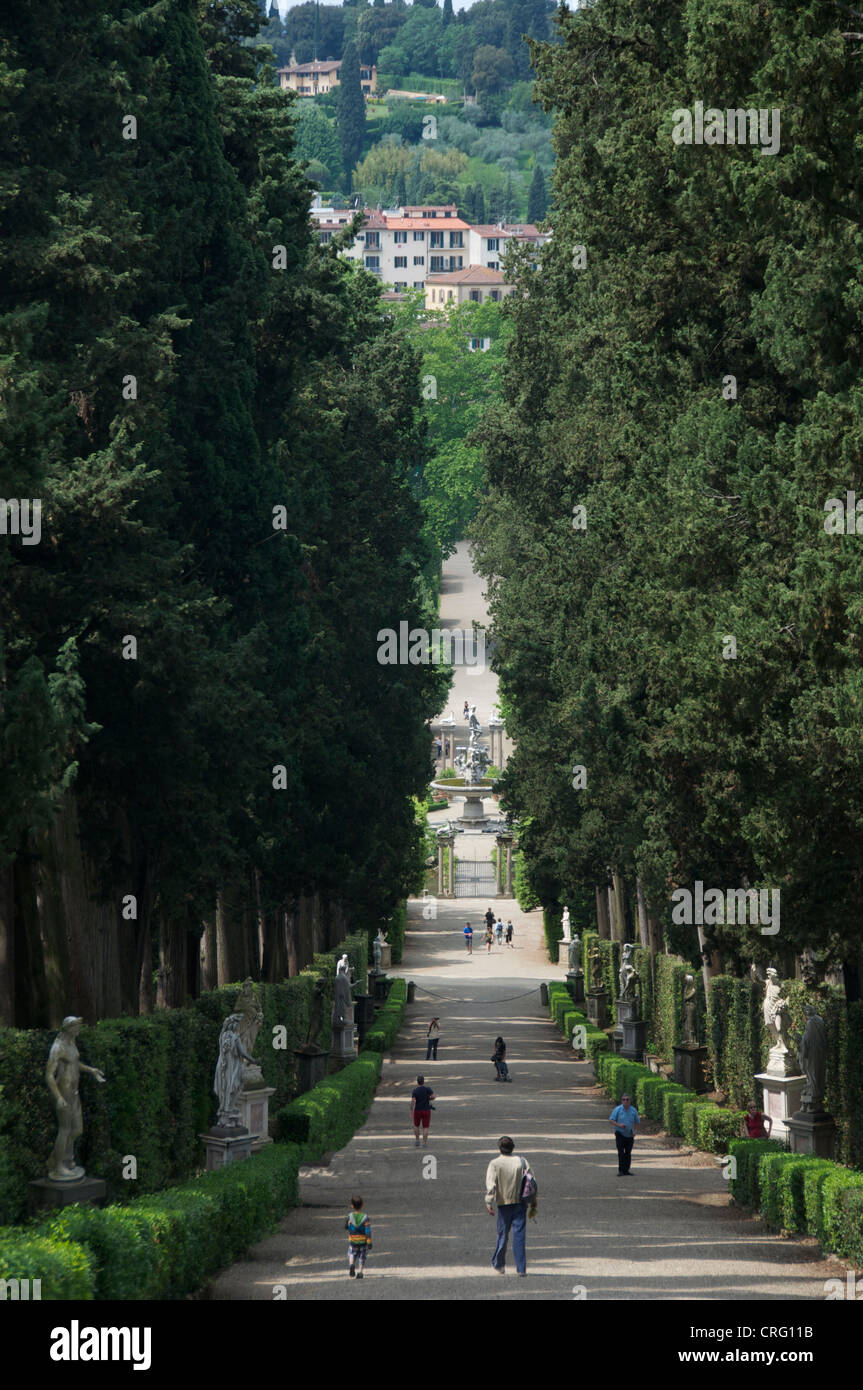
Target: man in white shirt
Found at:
503, 1183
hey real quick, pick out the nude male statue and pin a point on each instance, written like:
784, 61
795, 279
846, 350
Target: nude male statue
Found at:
62, 1075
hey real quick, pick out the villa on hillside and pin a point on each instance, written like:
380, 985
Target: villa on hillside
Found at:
315, 79
476, 284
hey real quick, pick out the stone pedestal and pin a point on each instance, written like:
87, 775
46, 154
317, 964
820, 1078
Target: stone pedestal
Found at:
254, 1106
46, 1192
311, 1064
343, 1045
563, 951
597, 1011
364, 1012
382, 987
634, 1039
575, 985
782, 1099
689, 1059
386, 956
812, 1133
625, 1008
226, 1146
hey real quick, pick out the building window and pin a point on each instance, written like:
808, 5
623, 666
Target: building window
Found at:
373, 239
455, 239
436, 238
400, 238
401, 262
373, 263
400, 284
419, 236
493, 265
324, 237
494, 295
419, 260
476, 296
493, 243
418, 284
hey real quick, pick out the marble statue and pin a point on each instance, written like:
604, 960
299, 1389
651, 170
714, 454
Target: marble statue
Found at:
342, 1000
248, 1005
775, 1011
812, 1052
377, 952
472, 763
565, 921
316, 1013
690, 1012
62, 1074
627, 974
595, 961
473, 723
574, 953
230, 1071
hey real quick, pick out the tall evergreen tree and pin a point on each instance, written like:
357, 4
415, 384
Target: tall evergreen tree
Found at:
537, 197
350, 111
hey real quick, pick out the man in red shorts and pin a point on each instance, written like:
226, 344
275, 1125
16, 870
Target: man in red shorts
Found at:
421, 1099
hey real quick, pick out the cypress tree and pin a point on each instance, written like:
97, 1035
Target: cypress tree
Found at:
537, 198
350, 111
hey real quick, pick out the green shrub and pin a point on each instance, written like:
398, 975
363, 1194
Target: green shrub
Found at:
746, 1154
552, 924
388, 1020
63, 1267
689, 1116
395, 929
672, 1109
326, 1117
842, 1213
716, 1127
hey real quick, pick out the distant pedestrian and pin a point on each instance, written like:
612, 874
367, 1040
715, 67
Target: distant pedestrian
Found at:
754, 1123
432, 1039
509, 933
511, 1187
468, 938
499, 1059
489, 919
359, 1231
421, 1107
489, 939
466, 710
439, 748
498, 932
624, 1118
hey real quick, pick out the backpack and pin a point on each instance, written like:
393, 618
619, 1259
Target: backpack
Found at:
528, 1184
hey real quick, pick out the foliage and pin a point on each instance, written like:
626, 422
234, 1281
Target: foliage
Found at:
388, 1020
63, 1267
326, 1117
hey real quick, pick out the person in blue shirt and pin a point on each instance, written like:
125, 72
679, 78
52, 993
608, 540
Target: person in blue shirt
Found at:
624, 1118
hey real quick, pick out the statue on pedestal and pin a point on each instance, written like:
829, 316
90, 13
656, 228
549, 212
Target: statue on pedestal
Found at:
230, 1071
248, 1006
690, 1012
316, 1015
343, 1000
812, 1051
565, 922
627, 974
574, 953
776, 1021
62, 1074
377, 951
595, 960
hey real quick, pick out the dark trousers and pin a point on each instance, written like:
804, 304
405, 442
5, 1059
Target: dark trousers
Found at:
511, 1217
624, 1150
431, 1049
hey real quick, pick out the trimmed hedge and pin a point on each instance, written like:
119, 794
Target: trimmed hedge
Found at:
388, 1020
552, 925
176, 1049
796, 1192
395, 928
327, 1117
567, 1016
161, 1246
64, 1268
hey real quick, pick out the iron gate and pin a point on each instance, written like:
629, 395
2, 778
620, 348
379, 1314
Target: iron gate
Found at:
475, 878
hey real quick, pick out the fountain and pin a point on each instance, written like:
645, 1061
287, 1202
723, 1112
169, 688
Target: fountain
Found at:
473, 785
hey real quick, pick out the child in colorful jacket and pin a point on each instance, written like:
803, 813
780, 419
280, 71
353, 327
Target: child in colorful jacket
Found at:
359, 1231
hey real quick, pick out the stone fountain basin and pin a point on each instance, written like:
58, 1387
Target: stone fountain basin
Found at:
458, 784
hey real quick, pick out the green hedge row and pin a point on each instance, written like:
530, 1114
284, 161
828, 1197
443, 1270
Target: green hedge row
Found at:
680, 1111
177, 1050
162, 1246
797, 1193
326, 1117
388, 1020
395, 929
553, 928
567, 1017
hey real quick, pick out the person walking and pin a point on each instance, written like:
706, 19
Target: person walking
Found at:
498, 932
489, 940
499, 1059
510, 1186
359, 1231
509, 935
432, 1039
421, 1105
468, 938
624, 1118
466, 710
